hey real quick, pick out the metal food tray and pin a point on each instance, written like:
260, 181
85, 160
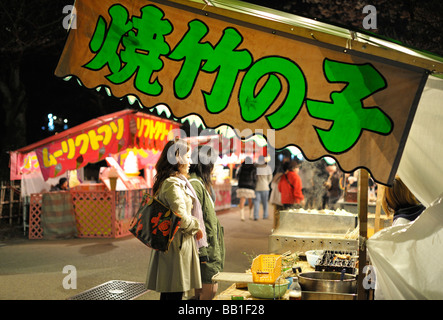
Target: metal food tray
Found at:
279, 243
329, 262
301, 221
301, 230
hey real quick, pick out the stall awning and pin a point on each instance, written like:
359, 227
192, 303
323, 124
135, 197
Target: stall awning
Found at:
91, 142
348, 100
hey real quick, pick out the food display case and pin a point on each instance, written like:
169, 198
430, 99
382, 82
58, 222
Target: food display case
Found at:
303, 230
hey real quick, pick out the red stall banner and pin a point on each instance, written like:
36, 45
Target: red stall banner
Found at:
91, 142
91, 145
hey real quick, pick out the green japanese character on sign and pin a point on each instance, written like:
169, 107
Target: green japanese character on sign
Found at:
349, 117
254, 106
106, 46
141, 49
132, 47
223, 58
185, 80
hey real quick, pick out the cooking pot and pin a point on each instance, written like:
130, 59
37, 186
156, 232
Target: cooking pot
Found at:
324, 281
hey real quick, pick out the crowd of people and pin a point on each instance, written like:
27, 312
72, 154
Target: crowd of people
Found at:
253, 185
295, 184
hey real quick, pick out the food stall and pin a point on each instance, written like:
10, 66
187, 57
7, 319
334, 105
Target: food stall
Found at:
129, 141
232, 159
327, 90
232, 151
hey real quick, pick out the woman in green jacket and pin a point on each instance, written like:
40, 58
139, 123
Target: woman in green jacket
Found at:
211, 257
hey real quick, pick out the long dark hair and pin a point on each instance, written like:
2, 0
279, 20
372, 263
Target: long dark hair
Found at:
203, 159
169, 164
397, 197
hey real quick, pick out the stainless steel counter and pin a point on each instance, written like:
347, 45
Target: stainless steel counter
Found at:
301, 230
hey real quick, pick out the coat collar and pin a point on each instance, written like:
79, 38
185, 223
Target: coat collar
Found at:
182, 183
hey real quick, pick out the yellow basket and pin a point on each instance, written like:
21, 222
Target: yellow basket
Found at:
266, 268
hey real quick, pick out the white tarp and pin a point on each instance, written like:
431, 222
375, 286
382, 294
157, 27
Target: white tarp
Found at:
408, 259
421, 166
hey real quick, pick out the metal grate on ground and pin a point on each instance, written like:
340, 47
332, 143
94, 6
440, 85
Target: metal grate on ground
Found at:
113, 290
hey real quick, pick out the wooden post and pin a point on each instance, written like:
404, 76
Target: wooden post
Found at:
11, 201
2, 197
362, 203
380, 194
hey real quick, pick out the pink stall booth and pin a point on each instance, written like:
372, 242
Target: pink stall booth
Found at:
129, 141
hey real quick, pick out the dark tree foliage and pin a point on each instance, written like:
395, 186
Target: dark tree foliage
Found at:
32, 37
414, 23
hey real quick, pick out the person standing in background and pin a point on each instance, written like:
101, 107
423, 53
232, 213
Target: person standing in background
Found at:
264, 178
306, 174
247, 181
320, 176
212, 257
290, 186
275, 199
332, 186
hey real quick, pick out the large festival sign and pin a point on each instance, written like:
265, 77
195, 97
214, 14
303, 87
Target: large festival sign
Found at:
327, 101
94, 141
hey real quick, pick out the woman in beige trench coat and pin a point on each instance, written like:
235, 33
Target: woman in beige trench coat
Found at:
178, 270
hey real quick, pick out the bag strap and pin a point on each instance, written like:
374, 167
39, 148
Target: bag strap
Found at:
289, 182
207, 193
158, 190
147, 195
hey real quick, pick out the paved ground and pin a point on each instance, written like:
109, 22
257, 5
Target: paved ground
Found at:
33, 269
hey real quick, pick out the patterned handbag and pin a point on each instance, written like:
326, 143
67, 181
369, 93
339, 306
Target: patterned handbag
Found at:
155, 224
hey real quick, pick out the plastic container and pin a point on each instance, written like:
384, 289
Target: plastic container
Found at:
267, 291
313, 255
266, 268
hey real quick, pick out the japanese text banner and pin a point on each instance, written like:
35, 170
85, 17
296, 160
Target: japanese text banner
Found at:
327, 101
90, 143
86, 147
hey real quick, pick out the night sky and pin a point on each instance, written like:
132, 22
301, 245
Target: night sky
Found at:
67, 99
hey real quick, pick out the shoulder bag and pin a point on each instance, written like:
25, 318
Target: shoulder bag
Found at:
155, 224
